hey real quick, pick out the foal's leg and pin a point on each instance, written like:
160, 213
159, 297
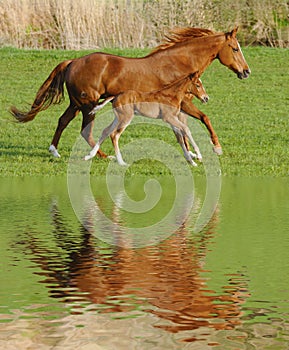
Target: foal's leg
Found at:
105, 133
123, 117
63, 121
125, 114
177, 124
187, 154
188, 107
115, 136
87, 128
184, 119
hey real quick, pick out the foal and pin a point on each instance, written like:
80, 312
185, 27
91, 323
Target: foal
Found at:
162, 104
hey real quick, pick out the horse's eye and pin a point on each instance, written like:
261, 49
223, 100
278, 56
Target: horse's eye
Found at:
235, 49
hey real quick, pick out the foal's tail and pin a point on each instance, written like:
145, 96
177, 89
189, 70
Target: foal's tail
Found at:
51, 92
101, 105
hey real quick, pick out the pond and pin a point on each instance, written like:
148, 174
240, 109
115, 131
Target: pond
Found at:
73, 276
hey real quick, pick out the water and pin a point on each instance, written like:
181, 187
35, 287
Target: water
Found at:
223, 287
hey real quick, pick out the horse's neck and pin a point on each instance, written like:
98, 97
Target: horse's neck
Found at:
175, 92
181, 88
180, 85
202, 51
193, 55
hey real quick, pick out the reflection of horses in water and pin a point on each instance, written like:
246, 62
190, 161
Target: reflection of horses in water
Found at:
100, 75
169, 276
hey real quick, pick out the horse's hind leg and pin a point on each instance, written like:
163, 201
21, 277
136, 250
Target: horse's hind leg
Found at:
63, 121
115, 138
105, 133
124, 114
115, 129
87, 128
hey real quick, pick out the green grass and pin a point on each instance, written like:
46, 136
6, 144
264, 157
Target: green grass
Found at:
250, 117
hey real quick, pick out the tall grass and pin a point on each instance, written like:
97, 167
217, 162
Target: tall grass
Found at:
87, 24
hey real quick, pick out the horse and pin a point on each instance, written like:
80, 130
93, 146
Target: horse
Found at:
99, 75
162, 104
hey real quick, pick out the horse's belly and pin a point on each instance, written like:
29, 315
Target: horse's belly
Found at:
148, 109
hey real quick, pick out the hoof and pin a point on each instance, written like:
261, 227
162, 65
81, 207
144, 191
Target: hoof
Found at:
54, 151
193, 155
218, 150
88, 157
101, 154
111, 157
191, 162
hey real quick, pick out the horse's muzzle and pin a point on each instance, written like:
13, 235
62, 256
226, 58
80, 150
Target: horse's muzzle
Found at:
245, 74
205, 99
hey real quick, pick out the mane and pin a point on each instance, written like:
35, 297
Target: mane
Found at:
175, 82
179, 35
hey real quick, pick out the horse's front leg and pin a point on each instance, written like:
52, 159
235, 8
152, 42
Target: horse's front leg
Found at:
184, 119
189, 156
188, 107
181, 128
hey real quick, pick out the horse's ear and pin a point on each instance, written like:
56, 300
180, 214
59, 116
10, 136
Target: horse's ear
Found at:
193, 75
233, 33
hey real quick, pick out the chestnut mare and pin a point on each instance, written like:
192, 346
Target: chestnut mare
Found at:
162, 104
99, 75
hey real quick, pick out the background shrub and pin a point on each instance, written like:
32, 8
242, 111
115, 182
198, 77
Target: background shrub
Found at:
87, 24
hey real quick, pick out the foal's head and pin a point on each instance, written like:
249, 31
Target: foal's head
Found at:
197, 89
231, 55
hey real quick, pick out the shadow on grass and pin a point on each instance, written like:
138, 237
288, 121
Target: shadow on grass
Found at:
10, 150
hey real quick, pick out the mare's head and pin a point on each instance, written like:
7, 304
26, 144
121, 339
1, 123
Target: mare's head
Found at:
232, 57
196, 88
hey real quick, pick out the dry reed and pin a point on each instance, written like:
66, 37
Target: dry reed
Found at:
87, 24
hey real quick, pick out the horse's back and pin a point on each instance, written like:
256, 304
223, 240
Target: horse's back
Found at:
107, 74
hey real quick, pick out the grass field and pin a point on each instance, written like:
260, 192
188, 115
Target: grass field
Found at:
250, 117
